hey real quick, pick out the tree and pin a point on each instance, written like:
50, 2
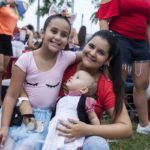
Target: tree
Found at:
47, 3
96, 6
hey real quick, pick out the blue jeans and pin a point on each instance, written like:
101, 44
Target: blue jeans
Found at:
95, 143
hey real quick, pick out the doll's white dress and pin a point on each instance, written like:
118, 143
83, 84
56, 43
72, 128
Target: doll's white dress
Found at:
66, 108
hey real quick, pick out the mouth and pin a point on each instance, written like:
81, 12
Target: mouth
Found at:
90, 58
55, 44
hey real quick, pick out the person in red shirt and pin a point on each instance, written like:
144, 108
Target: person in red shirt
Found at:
101, 59
130, 23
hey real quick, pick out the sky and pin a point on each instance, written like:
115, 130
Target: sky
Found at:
81, 7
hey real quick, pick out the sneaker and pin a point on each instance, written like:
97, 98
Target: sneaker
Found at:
143, 130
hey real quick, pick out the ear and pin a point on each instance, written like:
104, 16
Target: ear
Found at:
108, 61
84, 90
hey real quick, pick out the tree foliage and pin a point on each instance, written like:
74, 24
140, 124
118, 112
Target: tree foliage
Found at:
96, 6
47, 4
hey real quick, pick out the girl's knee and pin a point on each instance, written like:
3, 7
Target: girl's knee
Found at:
95, 143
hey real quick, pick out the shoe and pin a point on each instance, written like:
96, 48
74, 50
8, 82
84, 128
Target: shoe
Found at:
143, 130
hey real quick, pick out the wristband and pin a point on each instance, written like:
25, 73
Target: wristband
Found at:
21, 99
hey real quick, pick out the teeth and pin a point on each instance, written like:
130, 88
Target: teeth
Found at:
90, 58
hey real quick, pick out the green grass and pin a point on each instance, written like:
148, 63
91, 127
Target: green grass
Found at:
137, 142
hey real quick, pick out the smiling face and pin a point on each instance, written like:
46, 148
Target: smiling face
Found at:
80, 81
55, 36
95, 53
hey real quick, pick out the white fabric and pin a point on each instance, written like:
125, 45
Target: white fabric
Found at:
5, 82
66, 108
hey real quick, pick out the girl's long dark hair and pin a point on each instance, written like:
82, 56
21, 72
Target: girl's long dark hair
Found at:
114, 68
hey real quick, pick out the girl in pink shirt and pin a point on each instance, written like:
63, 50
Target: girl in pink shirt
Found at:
40, 72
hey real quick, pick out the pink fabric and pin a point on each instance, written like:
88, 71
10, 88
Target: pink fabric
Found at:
43, 87
90, 104
75, 93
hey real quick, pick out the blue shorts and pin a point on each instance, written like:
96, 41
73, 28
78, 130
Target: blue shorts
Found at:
22, 136
132, 50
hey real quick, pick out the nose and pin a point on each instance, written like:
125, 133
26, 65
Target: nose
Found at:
71, 77
57, 36
93, 52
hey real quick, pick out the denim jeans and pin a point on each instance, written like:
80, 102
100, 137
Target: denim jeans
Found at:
95, 143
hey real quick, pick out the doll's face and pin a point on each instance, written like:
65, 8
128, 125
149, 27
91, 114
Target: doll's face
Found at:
79, 81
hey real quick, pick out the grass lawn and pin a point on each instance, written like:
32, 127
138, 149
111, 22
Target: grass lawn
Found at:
137, 142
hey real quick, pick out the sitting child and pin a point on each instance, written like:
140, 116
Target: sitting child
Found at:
76, 105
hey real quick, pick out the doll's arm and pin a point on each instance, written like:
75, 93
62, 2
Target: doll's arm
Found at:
90, 104
93, 118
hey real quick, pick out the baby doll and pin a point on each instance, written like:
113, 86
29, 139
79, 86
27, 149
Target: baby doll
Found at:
76, 105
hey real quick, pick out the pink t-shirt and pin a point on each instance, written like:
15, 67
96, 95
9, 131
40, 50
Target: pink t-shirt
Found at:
43, 87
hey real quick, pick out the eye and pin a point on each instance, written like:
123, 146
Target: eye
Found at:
77, 77
64, 34
101, 52
54, 31
91, 46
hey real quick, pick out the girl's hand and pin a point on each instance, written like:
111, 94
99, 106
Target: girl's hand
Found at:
71, 129
3, 135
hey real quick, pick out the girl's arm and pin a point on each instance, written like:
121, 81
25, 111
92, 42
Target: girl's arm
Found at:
25, 107
103, 24
10, 100
120, 128
17, 79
